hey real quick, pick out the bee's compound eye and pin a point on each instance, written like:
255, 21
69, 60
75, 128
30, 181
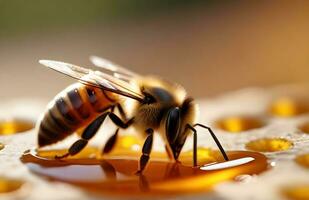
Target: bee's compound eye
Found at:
149, 99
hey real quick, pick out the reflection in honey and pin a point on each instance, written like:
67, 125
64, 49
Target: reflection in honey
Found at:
9, 185
239, 124
115, 173
287, 107
1, 146
9, 127
269, 145
303, 160
298, 192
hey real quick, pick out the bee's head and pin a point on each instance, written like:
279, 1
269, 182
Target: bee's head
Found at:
166, 108
176, 121
159, 91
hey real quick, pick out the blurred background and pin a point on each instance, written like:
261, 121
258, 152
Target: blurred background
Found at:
207, 46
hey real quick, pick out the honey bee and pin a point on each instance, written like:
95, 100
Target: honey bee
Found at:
156, 105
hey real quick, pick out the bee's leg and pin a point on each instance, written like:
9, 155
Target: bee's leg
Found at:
112, 140
188, 126
110, 143
146, 151
121, 111
194, 144
87, 134
117, 105
119, 122
168, 152
226, 158
91, 130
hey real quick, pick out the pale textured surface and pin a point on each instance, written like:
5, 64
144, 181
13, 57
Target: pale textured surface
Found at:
252, 101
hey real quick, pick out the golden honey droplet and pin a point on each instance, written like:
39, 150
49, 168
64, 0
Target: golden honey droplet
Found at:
287, 107
239, 123
9, 127
9, 185
129, 142
298, 192
305, 128
88, 152
204, 155
303, 160
269, 145
1, 146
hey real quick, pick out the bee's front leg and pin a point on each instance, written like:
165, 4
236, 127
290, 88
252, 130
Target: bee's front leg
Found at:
188, 126
146, 151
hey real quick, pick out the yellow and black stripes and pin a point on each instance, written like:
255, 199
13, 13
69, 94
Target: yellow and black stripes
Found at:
72, 109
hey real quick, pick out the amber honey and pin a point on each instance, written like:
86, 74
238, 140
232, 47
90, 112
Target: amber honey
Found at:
1, 146
297, 192
269, 145
9, 127
114, 173
238, 124
8, 185
287, 107
305, 128
303, 160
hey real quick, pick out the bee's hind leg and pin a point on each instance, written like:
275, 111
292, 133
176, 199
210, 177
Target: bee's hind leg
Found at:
146, 151
87, 134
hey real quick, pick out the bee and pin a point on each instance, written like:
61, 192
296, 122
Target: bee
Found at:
156, 105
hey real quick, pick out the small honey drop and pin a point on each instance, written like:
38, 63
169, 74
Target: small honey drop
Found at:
1, 146
305, 128
9, 127
269, 145
287, 107
114, 173
8, 185
303, 160
238, 124
298, 192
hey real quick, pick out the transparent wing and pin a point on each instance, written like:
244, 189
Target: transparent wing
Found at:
95, 78
115, 69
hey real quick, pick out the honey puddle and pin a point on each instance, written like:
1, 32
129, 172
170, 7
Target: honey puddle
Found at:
269, 145
288, 107
10, 127
115, 174
8, 185
303, 160
296, 192
238, 124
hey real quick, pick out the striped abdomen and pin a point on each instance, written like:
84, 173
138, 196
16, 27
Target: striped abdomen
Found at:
73, 108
